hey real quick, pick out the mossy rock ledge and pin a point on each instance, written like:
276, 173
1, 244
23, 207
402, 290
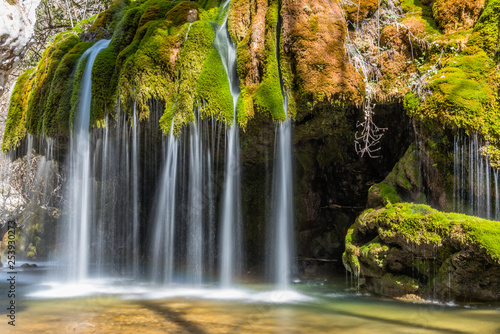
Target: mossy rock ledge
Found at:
408, 249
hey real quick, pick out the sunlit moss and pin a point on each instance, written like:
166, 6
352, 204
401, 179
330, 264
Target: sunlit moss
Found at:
486, 34
213, 88
463, 95
102, 92
15, 126
57, 109
45, 71
192, 60
268, 97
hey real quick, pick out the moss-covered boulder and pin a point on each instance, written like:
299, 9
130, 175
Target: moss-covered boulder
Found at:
404, 183
413, 249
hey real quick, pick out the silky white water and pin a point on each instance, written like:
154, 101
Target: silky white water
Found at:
164, 233
230, 244
473, 185
282, 210
80, 184
195, 238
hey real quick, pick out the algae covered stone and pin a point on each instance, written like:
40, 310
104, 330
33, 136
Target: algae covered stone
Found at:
414, 249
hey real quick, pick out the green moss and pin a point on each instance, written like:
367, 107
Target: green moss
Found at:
57, 109
486, 34
267, 97
287, 78
486, 233
213, 88
156, 10
15, 126
411, 103
103, 96
145, 74
211, 14
76, 86
45, 71
399, 283
178, 15
189, 66
350, 255
421, 224
108, 19
403, 183
387, 192
463, 95
415, 8
209, 4
126, 28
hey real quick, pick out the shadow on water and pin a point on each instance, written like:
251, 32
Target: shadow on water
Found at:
174, 316
397, 322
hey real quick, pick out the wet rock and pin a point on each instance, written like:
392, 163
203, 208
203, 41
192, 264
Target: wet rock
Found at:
413, 249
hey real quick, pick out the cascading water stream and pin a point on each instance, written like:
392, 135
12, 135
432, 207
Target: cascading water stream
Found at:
195, 189
135, 193
163, 242
282, 195
282, 211
230, 252
472, 182
80, 178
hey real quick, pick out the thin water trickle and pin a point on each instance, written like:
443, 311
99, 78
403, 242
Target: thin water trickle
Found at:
135, 192
472, 181
195, 191
283, 203
164, 218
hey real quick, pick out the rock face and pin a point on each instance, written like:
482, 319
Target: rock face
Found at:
162, 61
314, 33
162, 54
16, 29
413, 249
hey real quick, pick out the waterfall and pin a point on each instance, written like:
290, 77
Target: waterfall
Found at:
164, 218
79, 177
472, 181
282, 210
135, 192
230, 250
497, 195
184, 210
195, 195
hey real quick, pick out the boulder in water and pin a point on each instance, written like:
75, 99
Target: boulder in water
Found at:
414, 249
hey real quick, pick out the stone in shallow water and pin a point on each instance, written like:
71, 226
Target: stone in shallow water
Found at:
413, 249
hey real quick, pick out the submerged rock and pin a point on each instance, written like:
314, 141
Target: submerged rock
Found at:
413, 249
